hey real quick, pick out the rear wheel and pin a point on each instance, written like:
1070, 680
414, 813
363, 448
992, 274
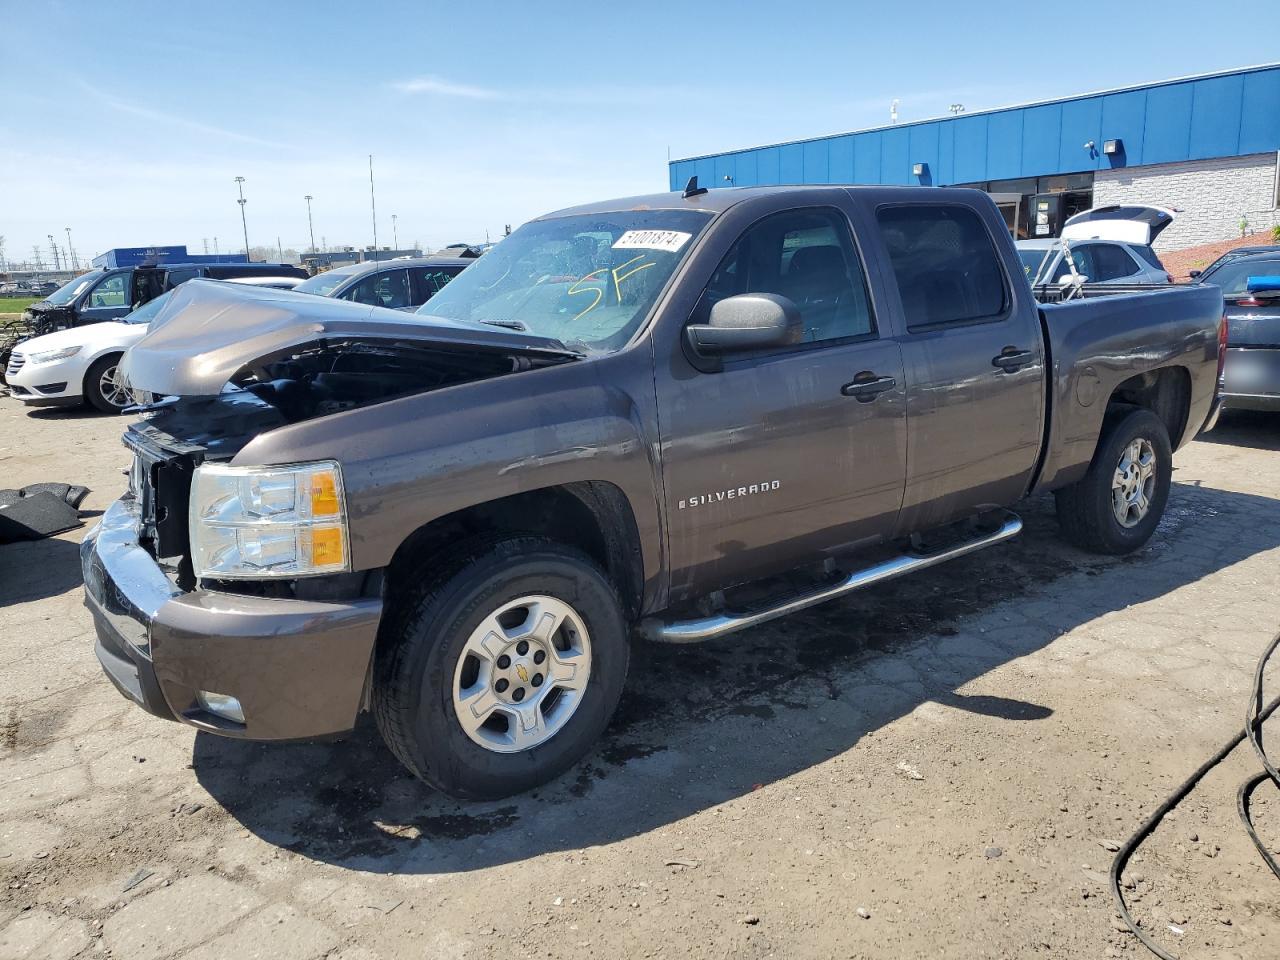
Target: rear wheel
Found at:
103, 387
501, 673
1117, 505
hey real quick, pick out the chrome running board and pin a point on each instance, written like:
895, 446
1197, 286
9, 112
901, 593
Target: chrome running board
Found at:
708, 628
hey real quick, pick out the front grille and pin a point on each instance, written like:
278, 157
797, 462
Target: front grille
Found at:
16, 361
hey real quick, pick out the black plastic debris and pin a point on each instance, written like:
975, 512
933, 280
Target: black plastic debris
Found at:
39, 510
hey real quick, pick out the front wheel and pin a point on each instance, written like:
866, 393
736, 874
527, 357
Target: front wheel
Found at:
501, 673
103, 387
1117, 505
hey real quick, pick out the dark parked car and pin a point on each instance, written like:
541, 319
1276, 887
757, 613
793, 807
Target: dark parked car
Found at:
1252, 373
397, 284
1231, 255
603, 427
114, 292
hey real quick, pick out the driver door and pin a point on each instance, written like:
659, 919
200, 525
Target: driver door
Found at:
776, 458
109, 299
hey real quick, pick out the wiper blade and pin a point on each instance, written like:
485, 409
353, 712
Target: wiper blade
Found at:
507, 324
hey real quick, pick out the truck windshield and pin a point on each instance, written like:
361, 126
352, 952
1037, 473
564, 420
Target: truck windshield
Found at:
587, 280
72, 289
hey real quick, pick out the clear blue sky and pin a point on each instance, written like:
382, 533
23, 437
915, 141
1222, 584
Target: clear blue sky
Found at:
127, 121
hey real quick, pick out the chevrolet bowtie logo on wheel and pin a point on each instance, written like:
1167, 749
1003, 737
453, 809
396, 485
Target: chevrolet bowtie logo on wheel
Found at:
522, 673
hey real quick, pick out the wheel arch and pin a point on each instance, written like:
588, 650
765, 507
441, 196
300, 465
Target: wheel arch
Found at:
594, 516
1165, 391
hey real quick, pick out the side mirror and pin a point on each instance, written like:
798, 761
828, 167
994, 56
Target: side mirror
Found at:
1195, 273
749, 321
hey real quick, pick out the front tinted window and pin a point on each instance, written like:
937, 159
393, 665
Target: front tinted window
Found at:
945, 264
589, 279
1233, 276
806, 256
111, 292
389, 289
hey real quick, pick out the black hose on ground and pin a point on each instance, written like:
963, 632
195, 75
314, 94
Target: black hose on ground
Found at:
1255, 716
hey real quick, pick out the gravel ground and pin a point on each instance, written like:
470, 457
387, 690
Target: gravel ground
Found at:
936, 768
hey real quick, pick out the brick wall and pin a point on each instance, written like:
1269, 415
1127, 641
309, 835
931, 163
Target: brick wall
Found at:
1212, 195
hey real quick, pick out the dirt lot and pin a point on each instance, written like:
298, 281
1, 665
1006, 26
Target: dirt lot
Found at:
948, 755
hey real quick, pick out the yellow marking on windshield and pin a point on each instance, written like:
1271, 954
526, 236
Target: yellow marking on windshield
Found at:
617, 280
596, 290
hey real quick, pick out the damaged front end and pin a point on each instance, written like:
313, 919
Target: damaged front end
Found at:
231, 363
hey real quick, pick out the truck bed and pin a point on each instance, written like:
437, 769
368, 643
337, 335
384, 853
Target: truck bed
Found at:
1123, 334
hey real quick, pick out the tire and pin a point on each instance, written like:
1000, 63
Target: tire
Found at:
94, 392
1089, 511
430, 665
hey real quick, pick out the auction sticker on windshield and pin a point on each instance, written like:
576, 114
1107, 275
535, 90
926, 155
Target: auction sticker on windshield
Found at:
668, 240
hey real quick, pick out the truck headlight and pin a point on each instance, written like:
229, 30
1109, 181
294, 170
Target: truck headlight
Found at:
253, 523
47, 355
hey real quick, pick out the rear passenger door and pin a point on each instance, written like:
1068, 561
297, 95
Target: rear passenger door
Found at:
974, 362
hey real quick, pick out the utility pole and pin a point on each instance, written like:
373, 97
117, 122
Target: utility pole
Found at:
373, 209
3, 264
243, 223
279, 249
310, 226
53, 246
35, 251
75, 261
215, 246
395, 237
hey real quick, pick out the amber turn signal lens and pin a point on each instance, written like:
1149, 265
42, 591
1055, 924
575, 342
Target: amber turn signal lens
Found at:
327, 547
324, 494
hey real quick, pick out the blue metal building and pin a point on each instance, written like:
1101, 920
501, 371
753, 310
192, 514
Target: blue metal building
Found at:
1074, 145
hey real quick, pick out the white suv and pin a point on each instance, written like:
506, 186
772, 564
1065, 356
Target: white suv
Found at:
70, 367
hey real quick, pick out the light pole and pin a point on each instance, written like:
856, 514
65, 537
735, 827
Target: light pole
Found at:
310, 226
75, 261
243, 223
395, 237
373, 210
57, 261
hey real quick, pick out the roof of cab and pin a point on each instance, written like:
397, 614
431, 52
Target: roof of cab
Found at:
721, 199
370, 266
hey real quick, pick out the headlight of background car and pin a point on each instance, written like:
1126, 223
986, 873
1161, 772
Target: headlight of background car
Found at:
252, 523
46, 355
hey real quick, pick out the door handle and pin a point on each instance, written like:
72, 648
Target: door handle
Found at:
867, 386
1011, 359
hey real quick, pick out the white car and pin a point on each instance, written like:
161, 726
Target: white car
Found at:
75, 366
1109, 244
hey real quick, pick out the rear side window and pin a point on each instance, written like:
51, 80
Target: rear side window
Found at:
389, 289
1149, 255
431, 280
945, 265
1111, 262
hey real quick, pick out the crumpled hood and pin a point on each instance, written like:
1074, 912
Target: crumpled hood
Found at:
210, 330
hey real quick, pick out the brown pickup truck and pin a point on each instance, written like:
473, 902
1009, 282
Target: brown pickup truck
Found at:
601, 431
